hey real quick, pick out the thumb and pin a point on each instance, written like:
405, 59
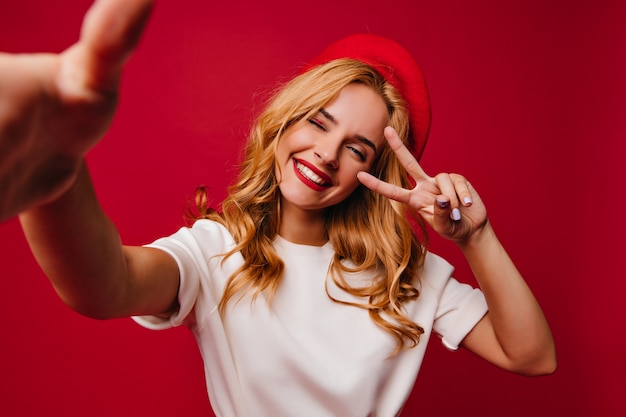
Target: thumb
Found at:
445, 216
111, 30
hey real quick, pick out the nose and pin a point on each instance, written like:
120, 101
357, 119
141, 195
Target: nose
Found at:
326, 151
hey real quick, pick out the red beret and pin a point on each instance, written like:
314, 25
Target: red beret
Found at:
399, 68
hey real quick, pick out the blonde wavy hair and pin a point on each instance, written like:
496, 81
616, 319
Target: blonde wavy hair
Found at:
367, 229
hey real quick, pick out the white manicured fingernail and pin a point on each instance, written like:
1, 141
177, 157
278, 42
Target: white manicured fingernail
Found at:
456, 214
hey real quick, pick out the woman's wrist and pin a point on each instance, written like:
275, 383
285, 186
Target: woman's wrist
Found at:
479, 240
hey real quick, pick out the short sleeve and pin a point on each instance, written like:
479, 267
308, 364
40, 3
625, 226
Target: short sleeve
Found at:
457, 306
461, 307
196, 251
187, 291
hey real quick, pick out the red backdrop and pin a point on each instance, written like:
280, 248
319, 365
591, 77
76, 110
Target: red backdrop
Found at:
528, 101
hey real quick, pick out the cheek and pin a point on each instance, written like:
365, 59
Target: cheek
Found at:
294, 138
350, 181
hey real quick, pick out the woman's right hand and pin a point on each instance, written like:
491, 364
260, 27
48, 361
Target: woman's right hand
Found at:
54, 108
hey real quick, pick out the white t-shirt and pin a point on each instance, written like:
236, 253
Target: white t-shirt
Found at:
306, 355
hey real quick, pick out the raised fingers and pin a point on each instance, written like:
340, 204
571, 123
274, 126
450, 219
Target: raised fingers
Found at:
390, 191
405, 157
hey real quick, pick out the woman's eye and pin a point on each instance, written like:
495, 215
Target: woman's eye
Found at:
358, 153
317, 122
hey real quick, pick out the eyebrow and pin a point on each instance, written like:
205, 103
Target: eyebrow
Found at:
362, 139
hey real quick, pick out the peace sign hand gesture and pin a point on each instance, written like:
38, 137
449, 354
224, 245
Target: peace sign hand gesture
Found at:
453, 208
447, 202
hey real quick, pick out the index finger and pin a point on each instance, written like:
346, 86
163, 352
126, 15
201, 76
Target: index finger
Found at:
405, 157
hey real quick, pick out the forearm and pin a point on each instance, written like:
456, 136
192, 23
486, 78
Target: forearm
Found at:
79, 249
518, 321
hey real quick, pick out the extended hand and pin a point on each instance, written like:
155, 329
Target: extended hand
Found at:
447, 202
54, 108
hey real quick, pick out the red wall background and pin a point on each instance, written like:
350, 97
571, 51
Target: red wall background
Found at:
528, 100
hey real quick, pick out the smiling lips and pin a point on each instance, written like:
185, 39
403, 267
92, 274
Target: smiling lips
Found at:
311, 176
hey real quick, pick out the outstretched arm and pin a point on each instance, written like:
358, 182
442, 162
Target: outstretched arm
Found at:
53, 109
514, 334
80, 250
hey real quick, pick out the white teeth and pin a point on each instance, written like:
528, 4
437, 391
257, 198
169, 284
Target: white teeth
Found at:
310, 174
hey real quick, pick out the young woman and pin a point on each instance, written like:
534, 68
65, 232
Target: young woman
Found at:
308, 291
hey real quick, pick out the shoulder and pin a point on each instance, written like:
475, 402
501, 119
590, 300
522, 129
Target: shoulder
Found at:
205, 227
436, 269
204, 235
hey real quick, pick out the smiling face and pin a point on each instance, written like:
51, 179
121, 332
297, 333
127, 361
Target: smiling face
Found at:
317, 159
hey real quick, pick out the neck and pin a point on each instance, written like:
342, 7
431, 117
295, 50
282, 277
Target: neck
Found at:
303, 227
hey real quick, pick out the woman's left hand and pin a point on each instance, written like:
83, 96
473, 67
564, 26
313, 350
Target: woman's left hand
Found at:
514, 334
447, 202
